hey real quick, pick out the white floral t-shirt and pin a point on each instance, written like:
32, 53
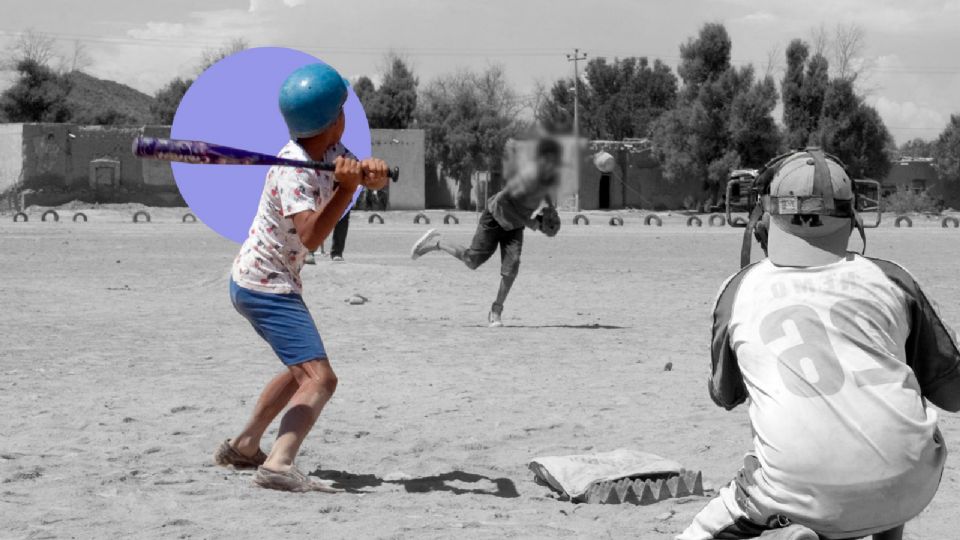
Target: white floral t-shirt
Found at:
272, 256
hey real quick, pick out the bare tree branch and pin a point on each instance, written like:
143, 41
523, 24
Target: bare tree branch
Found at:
31, 45
212, 56
849, 42
773, 61
819, 41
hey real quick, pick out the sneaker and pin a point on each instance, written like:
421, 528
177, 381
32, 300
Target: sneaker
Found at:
494, 319
309, 259
336, 258
427, 243
292, 480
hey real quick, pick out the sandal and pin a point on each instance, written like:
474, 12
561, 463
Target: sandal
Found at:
228, 456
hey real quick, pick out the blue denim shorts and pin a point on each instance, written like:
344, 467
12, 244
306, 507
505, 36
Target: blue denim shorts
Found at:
283, 321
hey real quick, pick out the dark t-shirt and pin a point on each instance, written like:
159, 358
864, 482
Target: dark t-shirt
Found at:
514, 205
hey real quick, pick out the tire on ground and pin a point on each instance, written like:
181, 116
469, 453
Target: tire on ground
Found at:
78, 215
580, 217
694, 220
375, 217
616, 221
901, 219
144, 213
948, 220
421, 217
717, 220
56, 216
19, 215
651, 218
188, 217
448, 218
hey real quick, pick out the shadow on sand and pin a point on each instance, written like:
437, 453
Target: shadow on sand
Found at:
357, 483
594, 326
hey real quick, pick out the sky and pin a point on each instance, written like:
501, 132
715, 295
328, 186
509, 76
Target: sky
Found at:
911, 47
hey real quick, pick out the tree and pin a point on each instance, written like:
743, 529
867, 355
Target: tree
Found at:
854, 132
803, 88
754, 134
31, 46
619, 99
468, 118
705, 58
39, 95
946, 151
167, 99
627, 96
555, 112
917, 148
393, 104
792, 91
365, 90
723, 125
210, 57
78, 60
849, 42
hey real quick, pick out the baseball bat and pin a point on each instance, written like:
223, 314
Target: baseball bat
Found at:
204, 153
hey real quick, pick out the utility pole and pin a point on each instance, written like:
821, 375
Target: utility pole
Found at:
575, 58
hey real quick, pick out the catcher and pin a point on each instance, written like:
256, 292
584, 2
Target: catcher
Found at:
524, 202
839, 355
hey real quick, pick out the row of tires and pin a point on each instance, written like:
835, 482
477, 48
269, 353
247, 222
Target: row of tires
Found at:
715, 220
945, 222
80, 216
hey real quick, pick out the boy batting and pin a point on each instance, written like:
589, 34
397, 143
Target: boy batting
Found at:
298, 210
839, 355
503, 220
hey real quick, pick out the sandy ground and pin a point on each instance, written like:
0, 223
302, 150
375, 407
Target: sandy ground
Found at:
123, 365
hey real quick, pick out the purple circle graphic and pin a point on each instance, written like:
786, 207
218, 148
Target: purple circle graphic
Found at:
234, 103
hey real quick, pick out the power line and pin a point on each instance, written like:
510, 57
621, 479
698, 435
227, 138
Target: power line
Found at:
512, 52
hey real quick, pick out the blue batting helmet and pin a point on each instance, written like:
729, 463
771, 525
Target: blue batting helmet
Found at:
311, 99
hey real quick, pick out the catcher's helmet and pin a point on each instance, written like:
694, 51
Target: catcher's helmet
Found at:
311, 99
808, 194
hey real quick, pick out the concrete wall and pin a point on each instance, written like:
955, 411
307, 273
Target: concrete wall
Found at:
11, 162
404, 148
157, 172
57, 166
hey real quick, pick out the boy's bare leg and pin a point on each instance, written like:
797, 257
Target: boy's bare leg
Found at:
496, 310
316, 384
453, 249
272, 401
505, 283
892, 534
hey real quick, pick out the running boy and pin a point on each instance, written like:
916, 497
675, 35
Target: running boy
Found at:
502, 222
298, 209
839, 355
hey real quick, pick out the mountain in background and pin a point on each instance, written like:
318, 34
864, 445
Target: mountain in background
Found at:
99, 101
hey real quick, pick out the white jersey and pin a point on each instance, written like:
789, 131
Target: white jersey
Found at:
271, 258
836, 361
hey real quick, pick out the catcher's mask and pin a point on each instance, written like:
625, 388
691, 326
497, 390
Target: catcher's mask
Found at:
804, 201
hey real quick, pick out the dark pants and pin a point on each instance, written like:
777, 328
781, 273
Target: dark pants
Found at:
488, 237
340, 236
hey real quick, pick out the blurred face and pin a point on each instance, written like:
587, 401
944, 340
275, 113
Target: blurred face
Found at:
549, 164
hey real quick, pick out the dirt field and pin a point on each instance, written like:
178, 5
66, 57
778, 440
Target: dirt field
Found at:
123, 366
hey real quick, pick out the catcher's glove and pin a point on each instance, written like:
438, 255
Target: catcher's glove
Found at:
549, 221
